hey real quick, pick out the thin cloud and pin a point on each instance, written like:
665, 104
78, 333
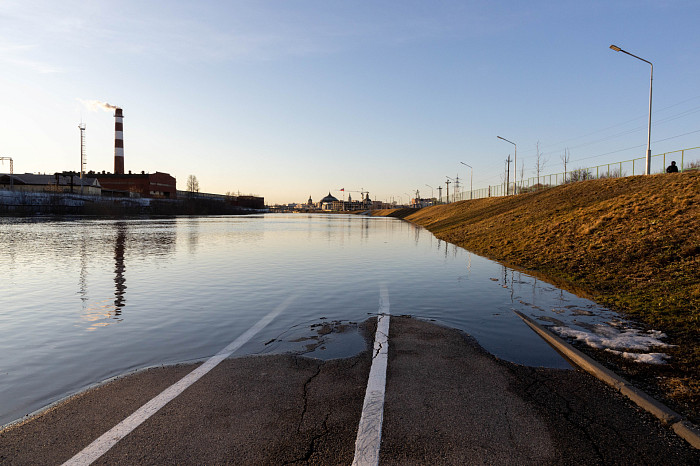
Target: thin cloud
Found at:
184, 32
18, 55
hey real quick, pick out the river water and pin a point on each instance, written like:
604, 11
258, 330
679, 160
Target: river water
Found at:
83, 300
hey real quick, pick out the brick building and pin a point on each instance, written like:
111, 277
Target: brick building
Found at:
154, 185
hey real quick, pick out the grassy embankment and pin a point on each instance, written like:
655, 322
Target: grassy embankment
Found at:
632, 244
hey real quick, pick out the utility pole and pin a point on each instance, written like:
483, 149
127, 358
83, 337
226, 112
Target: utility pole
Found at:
82, 154
508, 175
447, 182
515, 191
439, 194
454, 195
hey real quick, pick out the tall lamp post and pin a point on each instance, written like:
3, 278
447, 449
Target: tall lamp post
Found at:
651, 81
471, 180
515, 162
431, 191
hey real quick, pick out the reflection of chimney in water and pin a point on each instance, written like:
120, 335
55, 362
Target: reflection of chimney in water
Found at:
119, 268
118, 142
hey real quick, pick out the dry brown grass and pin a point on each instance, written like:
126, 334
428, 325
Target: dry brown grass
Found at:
632, 244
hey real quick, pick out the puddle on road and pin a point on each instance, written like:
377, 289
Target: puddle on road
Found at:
321, 340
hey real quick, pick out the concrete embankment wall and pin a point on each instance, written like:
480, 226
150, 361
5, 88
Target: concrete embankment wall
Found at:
28, 203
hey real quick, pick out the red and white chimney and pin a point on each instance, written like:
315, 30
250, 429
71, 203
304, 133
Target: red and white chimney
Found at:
118, 142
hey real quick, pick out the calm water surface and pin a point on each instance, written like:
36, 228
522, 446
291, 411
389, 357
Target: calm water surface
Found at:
82, 300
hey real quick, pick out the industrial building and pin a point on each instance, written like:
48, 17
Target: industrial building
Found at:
155, 185
66, 182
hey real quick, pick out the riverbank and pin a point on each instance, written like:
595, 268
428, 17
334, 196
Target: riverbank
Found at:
632, 244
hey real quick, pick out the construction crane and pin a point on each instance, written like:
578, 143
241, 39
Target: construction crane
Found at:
362, 192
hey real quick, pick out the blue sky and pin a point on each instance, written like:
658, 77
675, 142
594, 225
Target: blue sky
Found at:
287, 99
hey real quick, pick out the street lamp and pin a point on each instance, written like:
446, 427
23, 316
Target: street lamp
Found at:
515, 160
651, 81
431, 191
471, 181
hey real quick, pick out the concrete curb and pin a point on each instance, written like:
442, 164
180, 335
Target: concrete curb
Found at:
681, 426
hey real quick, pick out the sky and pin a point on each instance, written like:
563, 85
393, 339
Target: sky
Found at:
291, 99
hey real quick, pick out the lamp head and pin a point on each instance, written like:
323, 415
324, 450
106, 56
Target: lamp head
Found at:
616, 48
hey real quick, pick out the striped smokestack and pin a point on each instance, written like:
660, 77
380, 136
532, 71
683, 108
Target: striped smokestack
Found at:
118, 142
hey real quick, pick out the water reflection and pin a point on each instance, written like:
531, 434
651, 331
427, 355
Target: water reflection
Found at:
193, 235
119, 268
82, 282
138, 241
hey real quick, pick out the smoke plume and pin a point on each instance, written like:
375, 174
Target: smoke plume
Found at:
95, 105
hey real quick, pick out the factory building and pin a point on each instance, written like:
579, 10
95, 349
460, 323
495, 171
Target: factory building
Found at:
154, 185
66, 182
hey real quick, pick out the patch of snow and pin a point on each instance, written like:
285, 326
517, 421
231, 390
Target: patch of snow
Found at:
604, 336
647, 358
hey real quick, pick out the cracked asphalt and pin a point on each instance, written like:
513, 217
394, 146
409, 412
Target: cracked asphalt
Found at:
447, 402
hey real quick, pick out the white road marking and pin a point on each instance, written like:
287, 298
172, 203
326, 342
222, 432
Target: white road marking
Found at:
369, 432
100, 446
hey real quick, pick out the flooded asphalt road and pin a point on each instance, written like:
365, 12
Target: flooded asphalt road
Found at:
84, 299
447, 402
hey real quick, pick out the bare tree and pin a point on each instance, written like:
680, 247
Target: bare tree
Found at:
581, 174
192, 184
540, 162
522, 174
566, 158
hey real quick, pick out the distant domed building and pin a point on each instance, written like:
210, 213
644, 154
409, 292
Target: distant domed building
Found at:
329, 202
329, 198
309, 202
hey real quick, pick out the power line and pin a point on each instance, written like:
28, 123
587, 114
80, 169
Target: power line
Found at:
670, 118
629, 131
638, 146
628, 121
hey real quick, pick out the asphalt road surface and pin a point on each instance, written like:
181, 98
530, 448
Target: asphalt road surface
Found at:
447, 402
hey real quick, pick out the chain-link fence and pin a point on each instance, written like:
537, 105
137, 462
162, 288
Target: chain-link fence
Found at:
686, 159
